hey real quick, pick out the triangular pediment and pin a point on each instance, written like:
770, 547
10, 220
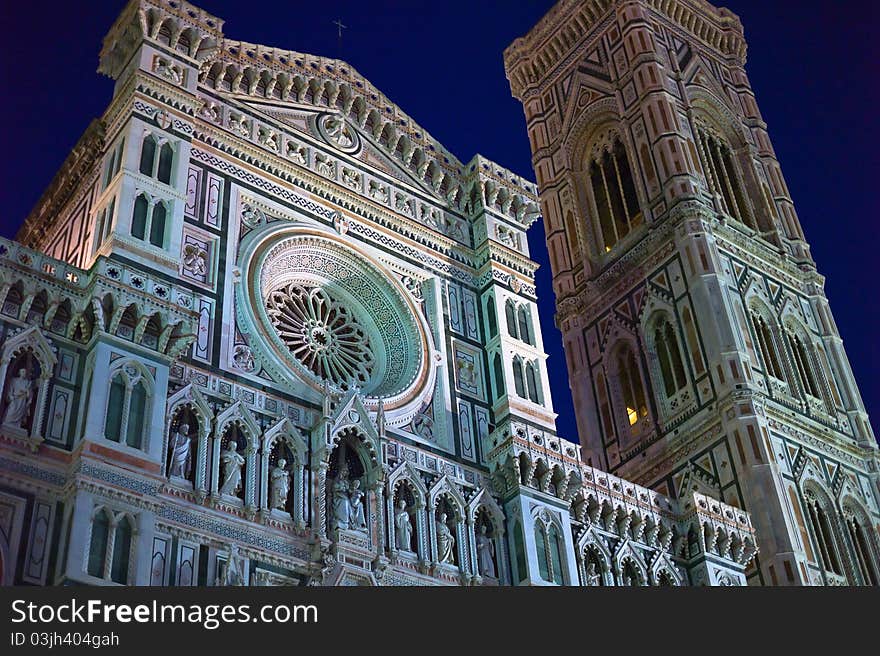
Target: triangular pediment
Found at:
303, 123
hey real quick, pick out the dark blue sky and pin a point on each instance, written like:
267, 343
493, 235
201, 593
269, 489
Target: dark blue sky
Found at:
812, 65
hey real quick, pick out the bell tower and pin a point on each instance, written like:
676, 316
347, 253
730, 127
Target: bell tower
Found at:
701, 349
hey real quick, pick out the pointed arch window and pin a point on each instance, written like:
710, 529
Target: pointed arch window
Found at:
499, 376
541, 552
510, 314
631, 385
149, 219
824, 532
110, 546
139, 217
157, 159
669, 355
98, 543
520, 549
148, 155
767, 345
723, 176
104, 223
518, 378
862, 538
532, 383
614, 194
556, 555
491, 319
113, 164
166, 156
803, 364
549, 548
157, 225
524, 324
121, 549
127, 408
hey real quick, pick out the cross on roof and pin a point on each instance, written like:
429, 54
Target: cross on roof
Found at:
338, 23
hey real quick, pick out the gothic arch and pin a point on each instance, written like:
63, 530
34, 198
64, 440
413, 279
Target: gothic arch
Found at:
406, 474
483, 500
444, 487
29, 343
284, 431
133, 374
583, 130
667, 361
862, 538
188, 397
664, 567
630, 407
767, 342
627, 562
237, 413
719, 116
824, 521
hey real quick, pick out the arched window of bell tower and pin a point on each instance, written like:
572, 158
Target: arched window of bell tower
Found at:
767, 345
612, 186
863, 541
629, 380
723, 175
803, 360
823, 520
666, 348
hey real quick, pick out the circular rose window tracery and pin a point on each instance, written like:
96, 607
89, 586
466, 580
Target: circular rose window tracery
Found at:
320, 312
322, 333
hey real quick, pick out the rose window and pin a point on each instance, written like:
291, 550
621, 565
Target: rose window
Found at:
318, 312
322, 333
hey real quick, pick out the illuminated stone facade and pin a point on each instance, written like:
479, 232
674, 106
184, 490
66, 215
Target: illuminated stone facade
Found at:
262, 329
701, 350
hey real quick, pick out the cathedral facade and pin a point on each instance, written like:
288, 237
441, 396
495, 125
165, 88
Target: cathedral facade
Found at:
701, 349
262, 329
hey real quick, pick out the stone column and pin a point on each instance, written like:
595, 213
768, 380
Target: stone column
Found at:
298, 494
320, 497
379, 492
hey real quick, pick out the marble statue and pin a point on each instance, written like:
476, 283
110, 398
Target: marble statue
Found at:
232, 464
341, 503
356, 521
485, 553
280, 478
181, 456
403, 527
232, 570
445, 541
593, 577
18, 396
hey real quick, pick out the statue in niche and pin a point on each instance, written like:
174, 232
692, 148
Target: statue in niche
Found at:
280, 478
485, 553
232, 461
232, 570
341, 502
445, 540
181, 453
403, 527
19, 394
356, 520
593, 577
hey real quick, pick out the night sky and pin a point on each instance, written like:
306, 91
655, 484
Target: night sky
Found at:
812, 65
